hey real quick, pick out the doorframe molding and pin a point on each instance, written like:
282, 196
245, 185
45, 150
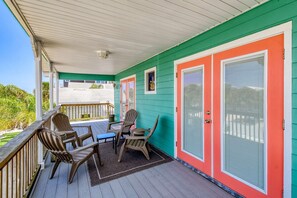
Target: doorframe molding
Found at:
126, 78
286, 29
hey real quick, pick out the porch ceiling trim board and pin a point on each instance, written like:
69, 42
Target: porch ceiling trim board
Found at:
73, 76
134, 31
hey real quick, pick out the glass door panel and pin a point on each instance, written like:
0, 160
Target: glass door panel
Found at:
244, 122
193, 118
123, 100
127, 96
131, 97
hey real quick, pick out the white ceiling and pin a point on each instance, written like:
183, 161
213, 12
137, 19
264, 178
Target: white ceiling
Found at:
132, 30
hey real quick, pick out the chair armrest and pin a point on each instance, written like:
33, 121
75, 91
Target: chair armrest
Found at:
128, 124
84, 147
69, 140
89, 128
85, 136
112, 123
67, 134
136, 138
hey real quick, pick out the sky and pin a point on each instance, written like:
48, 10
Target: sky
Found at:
16, 54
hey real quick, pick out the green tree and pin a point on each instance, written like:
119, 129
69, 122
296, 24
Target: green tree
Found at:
96, 86
45, 96
17, 107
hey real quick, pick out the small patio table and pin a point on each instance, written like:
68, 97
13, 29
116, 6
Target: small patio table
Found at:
106, 136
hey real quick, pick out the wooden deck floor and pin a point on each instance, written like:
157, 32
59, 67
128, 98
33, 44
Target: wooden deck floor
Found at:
167, 180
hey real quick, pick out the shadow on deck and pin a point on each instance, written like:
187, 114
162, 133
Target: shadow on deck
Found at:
167, 180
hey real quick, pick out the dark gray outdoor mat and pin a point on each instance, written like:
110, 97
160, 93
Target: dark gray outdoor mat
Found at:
132, 161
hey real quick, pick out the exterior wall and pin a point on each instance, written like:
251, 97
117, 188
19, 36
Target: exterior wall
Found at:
73, 76
270, 14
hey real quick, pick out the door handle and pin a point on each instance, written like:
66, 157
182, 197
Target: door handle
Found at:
207, 121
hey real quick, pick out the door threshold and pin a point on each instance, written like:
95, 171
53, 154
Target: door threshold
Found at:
209, 178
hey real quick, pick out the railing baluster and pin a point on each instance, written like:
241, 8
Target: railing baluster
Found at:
10, 172
7, 180
24, 171
14, 177
95, 111
1, 187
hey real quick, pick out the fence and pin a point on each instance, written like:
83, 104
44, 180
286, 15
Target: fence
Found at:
87, 111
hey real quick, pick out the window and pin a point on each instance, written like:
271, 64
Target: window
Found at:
150, 81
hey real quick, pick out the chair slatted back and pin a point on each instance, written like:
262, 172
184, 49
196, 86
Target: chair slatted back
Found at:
54, 144
130, 117
62, 123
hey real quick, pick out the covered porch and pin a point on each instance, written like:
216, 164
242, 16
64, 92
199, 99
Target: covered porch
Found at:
151, 51
171, 179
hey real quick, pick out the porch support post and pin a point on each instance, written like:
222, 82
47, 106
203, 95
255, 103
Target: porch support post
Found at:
57, 87
51, 90
38, 95
51, 86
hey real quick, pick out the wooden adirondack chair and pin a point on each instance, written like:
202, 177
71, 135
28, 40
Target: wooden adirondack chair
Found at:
126, 125
54, 143
62, 123
139, 143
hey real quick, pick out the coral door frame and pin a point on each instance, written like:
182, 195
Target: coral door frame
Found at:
286, 29
124, 79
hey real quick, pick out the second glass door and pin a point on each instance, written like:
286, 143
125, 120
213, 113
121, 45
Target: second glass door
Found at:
127, 96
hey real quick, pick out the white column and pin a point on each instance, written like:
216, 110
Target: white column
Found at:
38, 96
38, 83
57, 88
51, 90
51, 86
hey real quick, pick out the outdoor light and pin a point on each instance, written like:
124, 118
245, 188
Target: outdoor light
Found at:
103, 54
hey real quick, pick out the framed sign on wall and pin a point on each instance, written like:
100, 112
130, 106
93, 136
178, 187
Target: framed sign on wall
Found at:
150, 76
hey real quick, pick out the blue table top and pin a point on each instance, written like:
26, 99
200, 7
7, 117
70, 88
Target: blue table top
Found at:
105, 135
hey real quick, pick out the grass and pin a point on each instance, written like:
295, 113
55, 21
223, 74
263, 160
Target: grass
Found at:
7, 137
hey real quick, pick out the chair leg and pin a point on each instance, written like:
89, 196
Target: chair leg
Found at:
73, 144
73, 170
122, 151
55, 167
80, 142
149, 147
146, 153
96, 149
119, 134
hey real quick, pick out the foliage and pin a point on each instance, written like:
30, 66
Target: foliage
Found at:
7, 137
17, 107
237, 99
96, 86
244, 99
45, 96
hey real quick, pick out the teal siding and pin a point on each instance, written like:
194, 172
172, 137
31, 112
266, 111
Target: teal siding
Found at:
270, 14
73, 76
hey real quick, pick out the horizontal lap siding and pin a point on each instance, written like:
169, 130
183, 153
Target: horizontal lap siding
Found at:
270, 14
294, 106
150, 105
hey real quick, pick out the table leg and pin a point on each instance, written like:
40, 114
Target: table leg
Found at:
115, 146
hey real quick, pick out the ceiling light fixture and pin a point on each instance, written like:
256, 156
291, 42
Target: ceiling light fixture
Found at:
103, 54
